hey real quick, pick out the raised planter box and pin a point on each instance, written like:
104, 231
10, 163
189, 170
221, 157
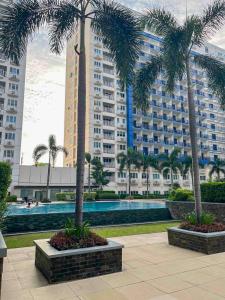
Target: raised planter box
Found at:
3, 253
208, 243
178, 209
58, 266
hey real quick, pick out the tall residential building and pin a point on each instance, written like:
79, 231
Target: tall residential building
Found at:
12, 82
113, 124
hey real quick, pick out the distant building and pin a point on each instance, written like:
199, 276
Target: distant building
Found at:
113, 124
12, 82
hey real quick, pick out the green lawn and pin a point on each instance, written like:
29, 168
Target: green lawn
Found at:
26, 240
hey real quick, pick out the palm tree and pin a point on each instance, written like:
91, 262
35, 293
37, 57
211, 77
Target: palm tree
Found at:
186, 166
218, 166
170, 164
176, 59
147, 162
117, 26
52, 150
132, 158
88, 159
99, 174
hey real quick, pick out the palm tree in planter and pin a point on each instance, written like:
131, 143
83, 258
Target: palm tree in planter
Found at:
147, 162
52, 149
117, 26
176, 58
218, 167
170, 164
88, 160
132, 158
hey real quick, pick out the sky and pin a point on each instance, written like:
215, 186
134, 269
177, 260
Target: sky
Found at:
45, 79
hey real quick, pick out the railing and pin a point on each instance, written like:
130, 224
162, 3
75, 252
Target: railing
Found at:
108, 137
108, 97
107, 123
109, 151
107, 109
108, 71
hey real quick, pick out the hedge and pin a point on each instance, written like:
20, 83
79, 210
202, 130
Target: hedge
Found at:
213, 192
90, 196
65, 196
11, 198
181, 195
5, 179
107, 196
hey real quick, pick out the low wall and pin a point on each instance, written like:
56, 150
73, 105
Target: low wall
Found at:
179, 209
54, 221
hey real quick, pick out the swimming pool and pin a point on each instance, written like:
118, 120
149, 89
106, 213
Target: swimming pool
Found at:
101, 206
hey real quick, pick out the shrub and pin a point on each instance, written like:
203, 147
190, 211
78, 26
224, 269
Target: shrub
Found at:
5, 179
107, 196
181, 195
213, 192
90, 196
205, 219
11, 198
65, 196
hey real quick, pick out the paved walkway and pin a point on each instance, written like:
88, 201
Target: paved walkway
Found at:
151, 270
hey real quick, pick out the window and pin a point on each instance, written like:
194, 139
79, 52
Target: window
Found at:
11, 119
10, 136
213, 136
97, 64
97, 76
213, 126
210, 105
121, 147
156, 151
13, 87
215, 147
121, 133
97, 130
97, 51
14, 71
97, 145
134, 175
9, 153
97, 89
175, 177
97, 117
203, 178
12, 102
122, 175
155, 176
212, 116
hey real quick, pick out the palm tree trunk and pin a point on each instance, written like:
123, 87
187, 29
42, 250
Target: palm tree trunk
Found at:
48, 176
129, 181
194, 144
171, 178
147, 182
89, 178
81, 114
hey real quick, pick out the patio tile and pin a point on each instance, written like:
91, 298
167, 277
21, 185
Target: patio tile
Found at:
108, 294
148, 272
217, 287
88, 285
16, 295
196, 277
53, 292
9, 275
120, 279
140, 290
195, 293
11, 285
169, 284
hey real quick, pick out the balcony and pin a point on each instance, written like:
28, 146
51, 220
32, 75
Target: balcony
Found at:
108, 71
11, 110
108, 84
14, 77
13, 93
109, 165
108, 137
121, 112
97, 151
121, 139
121, 181
2, 73
97, 122
108, 109
97, 136
108, 123
10, 126
122, 126
9, 144
108, 151
2, 91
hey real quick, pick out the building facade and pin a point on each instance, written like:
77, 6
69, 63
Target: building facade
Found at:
12, 83
113, 123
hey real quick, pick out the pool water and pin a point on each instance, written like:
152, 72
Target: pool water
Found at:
21, 209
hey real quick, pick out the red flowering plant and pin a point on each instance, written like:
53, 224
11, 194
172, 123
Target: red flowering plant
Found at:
75, 237
207, 223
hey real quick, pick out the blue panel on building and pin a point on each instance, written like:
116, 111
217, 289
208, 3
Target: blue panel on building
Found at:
130, 143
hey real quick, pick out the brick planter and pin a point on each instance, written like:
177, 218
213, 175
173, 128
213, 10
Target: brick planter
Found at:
3, 253
208, 243
58, 266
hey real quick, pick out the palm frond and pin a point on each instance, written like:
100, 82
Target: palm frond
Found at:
88, 157
52, 142
144, 80
159, 21
63, 24
216, 75
212, 19
18, 22
121, 34
39, 151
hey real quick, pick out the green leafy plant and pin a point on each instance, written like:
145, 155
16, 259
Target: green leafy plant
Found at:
205, 218
80, 232
181, 195
65, 196
11, 198
5, 179
90, 196
213, 192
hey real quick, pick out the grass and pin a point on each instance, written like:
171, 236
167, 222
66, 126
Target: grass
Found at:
26, 240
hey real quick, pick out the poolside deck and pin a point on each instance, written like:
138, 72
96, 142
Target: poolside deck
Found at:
152, 270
